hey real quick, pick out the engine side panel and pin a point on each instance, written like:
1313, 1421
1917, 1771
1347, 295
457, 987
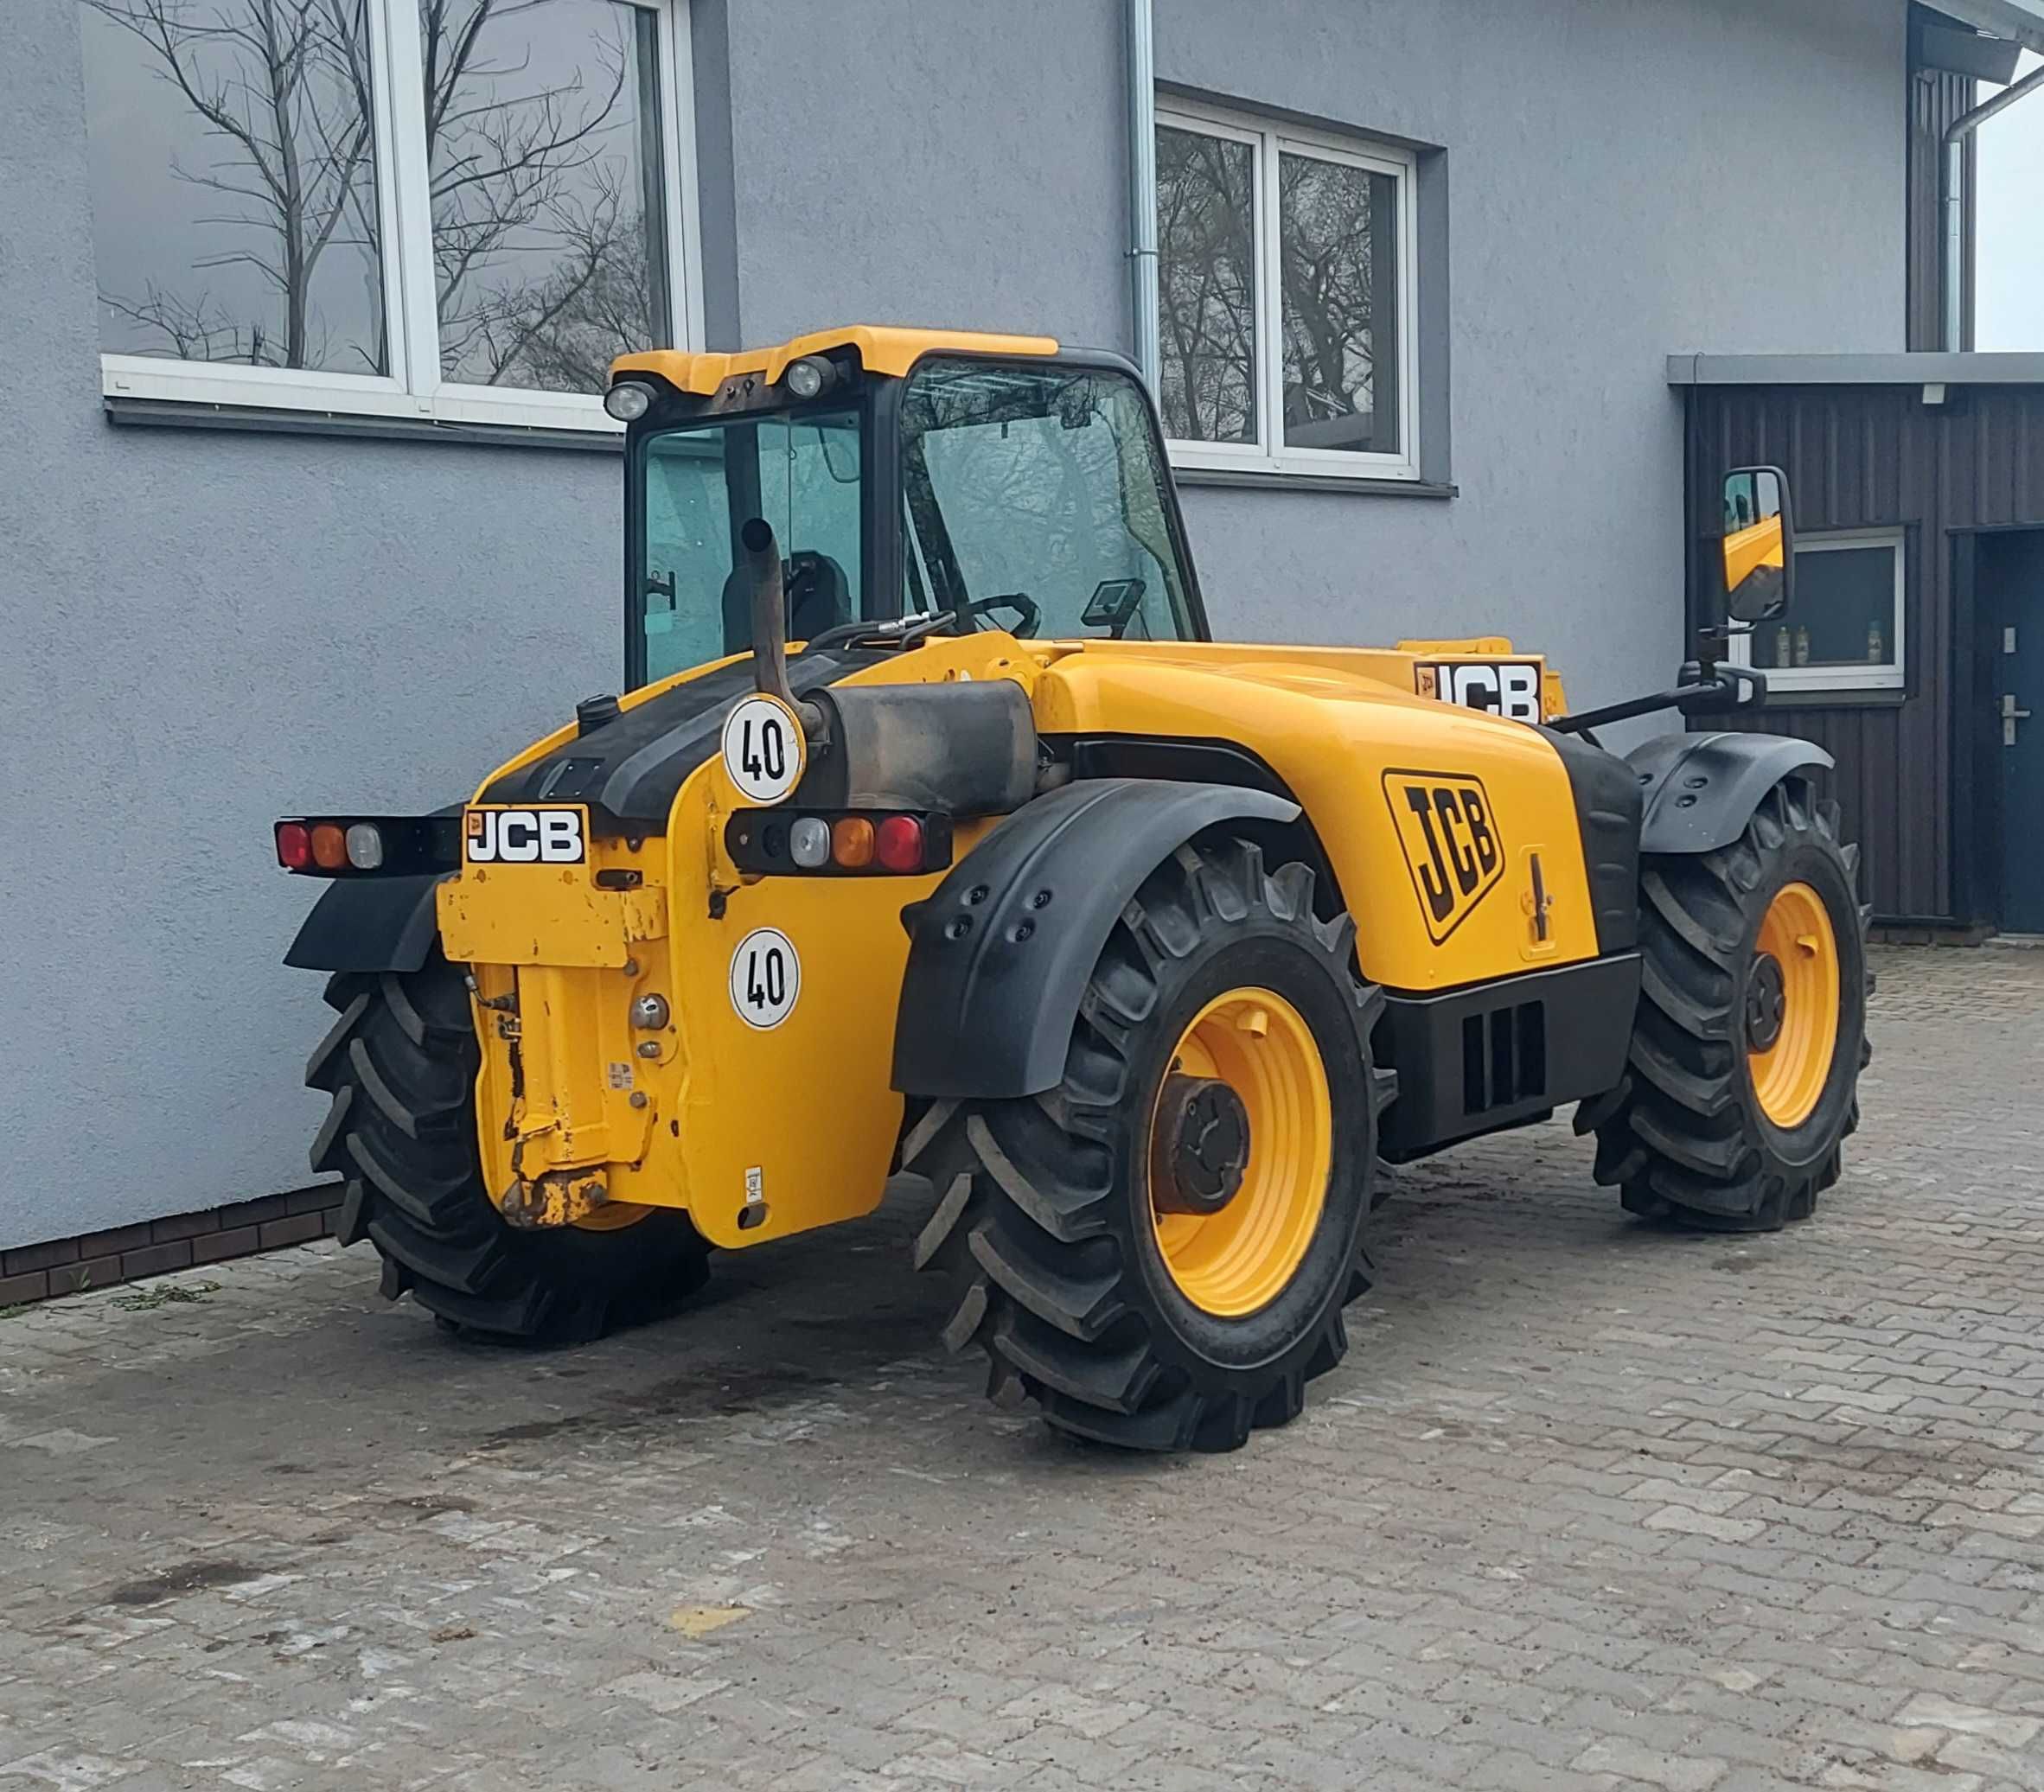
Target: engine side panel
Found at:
1454, 834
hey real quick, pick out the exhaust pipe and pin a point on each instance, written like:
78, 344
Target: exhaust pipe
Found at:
770, 623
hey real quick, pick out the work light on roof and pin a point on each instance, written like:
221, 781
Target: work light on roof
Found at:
810, 377
628, 400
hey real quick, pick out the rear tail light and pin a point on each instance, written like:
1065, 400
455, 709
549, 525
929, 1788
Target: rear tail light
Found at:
370, 845
365, 847
809, 842
852, 841
838, 842
898, 844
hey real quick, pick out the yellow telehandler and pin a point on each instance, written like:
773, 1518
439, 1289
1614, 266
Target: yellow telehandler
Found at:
1130, 953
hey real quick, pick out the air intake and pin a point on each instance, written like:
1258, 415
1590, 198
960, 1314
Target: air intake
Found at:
1504, 1057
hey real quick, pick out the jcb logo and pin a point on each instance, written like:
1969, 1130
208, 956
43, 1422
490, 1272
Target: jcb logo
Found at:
1452, 843
1510, 688
524, 837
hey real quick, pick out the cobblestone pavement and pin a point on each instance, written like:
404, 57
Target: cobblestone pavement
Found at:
1590, 1504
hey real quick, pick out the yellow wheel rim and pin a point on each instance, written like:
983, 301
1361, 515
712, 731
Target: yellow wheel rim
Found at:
1242, 1257
614, 1216
1792, 1017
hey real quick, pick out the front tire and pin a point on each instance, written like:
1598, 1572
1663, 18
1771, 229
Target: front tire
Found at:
1186, 1328
1742, 1076
400, 1064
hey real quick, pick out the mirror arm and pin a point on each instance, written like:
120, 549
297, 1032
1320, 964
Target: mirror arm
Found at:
1718, 688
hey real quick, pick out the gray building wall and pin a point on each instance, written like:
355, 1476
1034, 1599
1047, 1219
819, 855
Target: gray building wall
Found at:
1622, 180
203, 629
200, 630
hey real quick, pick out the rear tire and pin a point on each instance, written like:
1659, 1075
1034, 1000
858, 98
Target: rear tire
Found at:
1064, 1274
1711, 1126
400, 1064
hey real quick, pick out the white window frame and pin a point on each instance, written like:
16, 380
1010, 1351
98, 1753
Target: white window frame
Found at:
1891, 677
414, 387
1268, 141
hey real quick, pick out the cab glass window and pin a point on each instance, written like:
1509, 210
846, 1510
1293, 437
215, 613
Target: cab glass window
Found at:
703, 482
1036, 499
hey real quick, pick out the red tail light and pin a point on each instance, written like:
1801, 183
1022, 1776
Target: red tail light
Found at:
294, 846
898, 844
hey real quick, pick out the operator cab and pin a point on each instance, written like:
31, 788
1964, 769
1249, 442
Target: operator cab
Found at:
1016, 485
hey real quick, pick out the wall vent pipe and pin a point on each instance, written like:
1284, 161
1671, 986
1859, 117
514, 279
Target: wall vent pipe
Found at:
1952, 261
1142, 188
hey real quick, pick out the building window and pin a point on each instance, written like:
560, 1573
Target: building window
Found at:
1285, 283
454, 209
1845, 632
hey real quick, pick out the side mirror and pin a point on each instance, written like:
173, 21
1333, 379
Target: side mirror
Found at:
1759, 545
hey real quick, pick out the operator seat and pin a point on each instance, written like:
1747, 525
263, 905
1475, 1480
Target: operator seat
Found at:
818, 593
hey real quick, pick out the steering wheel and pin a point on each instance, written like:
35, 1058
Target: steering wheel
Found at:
1029, 616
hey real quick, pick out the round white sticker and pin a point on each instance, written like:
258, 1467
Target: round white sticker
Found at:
765, 977
763, 749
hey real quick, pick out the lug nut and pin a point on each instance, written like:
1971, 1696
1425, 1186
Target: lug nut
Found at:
650, 1013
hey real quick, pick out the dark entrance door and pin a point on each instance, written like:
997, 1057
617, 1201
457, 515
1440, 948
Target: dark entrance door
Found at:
2012, 586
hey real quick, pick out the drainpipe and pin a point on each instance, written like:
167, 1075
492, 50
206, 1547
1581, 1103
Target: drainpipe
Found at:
1952, 262
1142, 187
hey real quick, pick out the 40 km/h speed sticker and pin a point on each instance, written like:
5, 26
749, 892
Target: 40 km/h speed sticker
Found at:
765, 977
763, 749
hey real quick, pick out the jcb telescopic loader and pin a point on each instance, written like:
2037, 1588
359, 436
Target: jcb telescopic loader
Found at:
1131, 953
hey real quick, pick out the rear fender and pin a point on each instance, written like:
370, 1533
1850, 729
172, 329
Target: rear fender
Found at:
369, 924
1001, 952
1700, 790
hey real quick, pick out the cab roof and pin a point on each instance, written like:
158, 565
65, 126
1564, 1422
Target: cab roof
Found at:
883, 349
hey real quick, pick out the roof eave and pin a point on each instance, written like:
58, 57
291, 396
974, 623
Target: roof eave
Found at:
1856, 370
2021, 21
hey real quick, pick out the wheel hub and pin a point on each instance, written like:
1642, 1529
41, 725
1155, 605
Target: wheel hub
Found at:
1767, 1003
1203, 1134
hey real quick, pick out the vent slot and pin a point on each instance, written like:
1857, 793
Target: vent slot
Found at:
1504, 1057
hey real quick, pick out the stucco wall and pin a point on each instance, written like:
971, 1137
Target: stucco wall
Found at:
1625, 180
203, 630
200, 631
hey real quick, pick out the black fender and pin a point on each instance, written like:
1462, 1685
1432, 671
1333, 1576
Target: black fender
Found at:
1700, 790
369, 924
1001, 952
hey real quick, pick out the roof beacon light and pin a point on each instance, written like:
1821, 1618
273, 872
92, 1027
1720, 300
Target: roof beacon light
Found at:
628, 400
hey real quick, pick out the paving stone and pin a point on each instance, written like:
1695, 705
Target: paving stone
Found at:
1592, 1504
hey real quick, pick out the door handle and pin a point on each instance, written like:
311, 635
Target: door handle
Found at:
2010, 717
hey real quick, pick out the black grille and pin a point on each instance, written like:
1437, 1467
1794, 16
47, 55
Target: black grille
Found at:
1503, 1056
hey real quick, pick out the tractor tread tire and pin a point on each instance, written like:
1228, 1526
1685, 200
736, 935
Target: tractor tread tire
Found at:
1024, 1225
400, 1065
1681, 1137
